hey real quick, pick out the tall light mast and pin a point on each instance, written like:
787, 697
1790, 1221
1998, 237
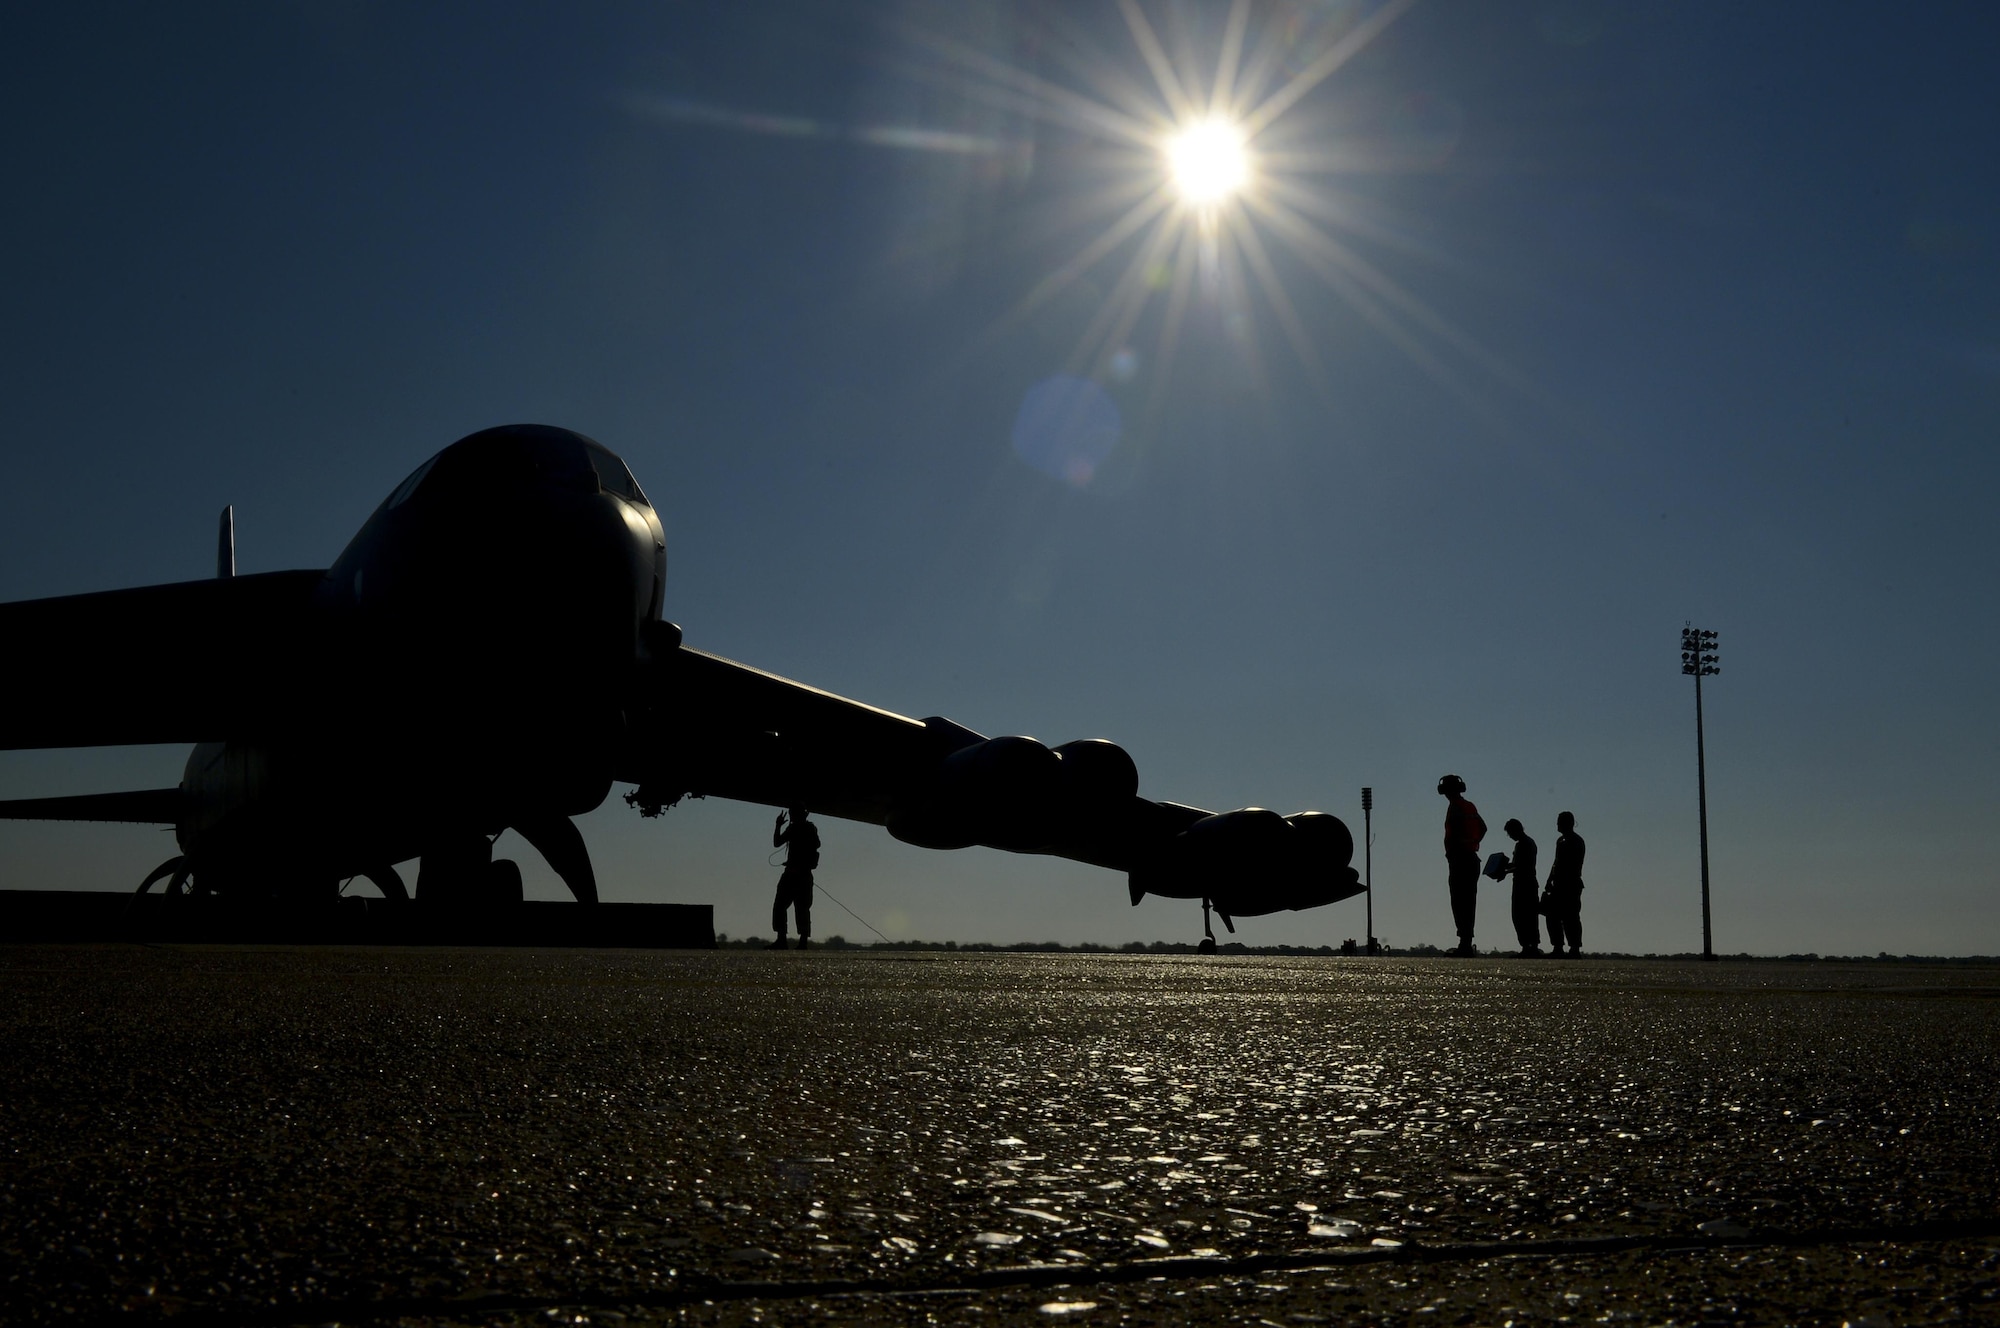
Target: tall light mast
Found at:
1368, 859
1699, 659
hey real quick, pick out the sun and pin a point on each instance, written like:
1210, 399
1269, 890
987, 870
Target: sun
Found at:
1209, 161
1200, 219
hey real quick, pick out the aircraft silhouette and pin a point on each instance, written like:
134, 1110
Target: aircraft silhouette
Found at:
488, 652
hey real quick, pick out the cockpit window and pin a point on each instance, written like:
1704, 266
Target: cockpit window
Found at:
613, 477
409, 486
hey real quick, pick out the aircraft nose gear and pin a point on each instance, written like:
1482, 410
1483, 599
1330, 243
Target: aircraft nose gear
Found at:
1207, 945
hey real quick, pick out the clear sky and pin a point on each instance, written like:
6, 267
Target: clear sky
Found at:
1536, 330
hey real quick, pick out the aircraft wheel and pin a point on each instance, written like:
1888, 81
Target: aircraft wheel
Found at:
455, 872
1207, 945
390, 882
503, 882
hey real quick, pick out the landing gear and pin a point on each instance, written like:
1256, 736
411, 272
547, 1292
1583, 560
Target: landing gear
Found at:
1207, 945
503, 881
176, 873
464, 873
462, 870
558, 840
390, 882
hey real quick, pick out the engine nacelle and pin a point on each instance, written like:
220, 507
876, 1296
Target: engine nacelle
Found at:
1252, 861
1097, 775
1014, 793
1002, 792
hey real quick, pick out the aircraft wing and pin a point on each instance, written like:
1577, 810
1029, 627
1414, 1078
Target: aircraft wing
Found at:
708, 726
140, 806
192, 661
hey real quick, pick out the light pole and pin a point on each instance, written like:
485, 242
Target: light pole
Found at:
1368, 859
1699, 660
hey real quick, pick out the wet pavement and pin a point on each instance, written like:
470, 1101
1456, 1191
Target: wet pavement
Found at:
462, 1136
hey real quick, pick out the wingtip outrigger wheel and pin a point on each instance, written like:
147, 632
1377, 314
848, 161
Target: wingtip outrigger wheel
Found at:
1207, 945
160, 873
175, 867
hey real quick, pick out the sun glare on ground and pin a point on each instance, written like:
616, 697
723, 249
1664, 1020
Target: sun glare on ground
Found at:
1209, 161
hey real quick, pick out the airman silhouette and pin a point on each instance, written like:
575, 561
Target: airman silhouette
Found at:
1527, 908
795, 883
1564, 900
1463, 829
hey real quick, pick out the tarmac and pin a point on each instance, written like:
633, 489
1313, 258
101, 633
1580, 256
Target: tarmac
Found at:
237, 1135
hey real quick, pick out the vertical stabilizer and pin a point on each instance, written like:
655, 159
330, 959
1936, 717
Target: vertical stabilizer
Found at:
225, 544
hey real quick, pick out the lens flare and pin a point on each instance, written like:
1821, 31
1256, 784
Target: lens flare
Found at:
1067, 428
1209, 161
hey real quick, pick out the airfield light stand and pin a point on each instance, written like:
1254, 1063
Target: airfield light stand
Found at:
1699, 660
1368, 859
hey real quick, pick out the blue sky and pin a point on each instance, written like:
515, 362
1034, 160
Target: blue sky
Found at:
1693, 313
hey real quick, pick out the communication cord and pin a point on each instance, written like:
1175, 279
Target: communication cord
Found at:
851, 913
773, 860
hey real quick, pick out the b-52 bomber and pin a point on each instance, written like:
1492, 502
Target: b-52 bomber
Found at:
489, 652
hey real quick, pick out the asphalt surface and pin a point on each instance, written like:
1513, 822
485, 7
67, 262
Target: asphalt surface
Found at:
218, 1135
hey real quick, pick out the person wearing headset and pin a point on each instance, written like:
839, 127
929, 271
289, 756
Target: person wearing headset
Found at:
1463, 829
800, 840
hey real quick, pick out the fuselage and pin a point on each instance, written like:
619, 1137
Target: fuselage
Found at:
462, 670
